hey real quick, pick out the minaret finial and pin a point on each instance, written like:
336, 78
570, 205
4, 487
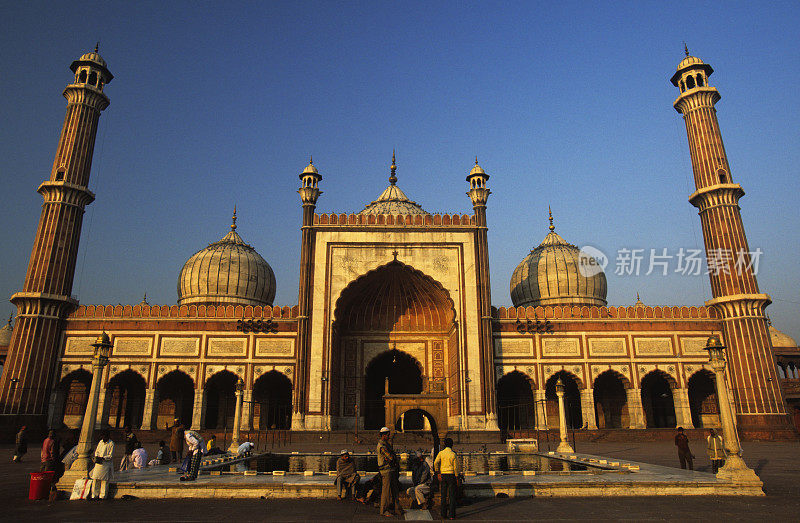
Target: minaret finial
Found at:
552, 227
637, 296
97, 46
685, 49
476, 159
310, 159
233, 225
393, 167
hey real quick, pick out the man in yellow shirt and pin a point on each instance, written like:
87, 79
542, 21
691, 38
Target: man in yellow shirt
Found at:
447, 467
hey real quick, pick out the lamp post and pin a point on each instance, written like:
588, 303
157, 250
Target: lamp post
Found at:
563, 446
102, 349
735, 468
237, 419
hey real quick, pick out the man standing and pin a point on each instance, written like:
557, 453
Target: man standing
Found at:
176, 440
346, 476
390, 475
21, 444
684, 454
715, 450
49, 453
102, 472
196, 448
447, 467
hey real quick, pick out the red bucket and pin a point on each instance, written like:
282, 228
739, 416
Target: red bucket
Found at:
40, 485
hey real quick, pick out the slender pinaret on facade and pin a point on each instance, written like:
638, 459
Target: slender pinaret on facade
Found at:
309, 193
479, 194
756, 388
45, 299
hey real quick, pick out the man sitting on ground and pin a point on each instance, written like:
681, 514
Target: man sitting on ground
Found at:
421, 478
139, 457
212, 448
346, 476
372, 490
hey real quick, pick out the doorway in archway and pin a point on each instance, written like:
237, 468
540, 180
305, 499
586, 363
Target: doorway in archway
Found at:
75, 391
418, 421
125, 393
175, 392
272, 402
572, 401
404, 374
703, 400
657, 402
221, 400
610, 401
516, 407
397, 310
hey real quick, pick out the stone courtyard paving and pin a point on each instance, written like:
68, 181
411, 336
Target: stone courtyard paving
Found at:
776, 463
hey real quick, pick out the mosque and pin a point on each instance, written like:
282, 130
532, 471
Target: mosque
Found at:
394, 322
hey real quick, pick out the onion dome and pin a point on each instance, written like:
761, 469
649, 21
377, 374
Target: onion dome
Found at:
310, 169
6, 332
551, 275
477, 170
781, 340
228, 271
393, 200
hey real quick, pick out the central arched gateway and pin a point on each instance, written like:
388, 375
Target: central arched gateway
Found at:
394, 323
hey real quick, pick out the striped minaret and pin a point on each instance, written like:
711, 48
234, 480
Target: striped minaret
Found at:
731, 265
30, 371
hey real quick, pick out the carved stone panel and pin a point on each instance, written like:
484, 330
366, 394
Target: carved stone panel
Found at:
132, 346
560, 347
607, 347
275, 347
648, 346
79, 345
513, 346
227, 346
694, 346
180, 346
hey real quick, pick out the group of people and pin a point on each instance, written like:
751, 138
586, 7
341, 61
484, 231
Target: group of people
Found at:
715, 449
384, 487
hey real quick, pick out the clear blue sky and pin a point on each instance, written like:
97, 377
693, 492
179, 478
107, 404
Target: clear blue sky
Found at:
565, 103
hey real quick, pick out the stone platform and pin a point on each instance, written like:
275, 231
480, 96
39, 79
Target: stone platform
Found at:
605, 477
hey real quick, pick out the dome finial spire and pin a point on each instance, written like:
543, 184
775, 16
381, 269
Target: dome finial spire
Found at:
393, 167
550, 212
233, 225
97, 47
685, 49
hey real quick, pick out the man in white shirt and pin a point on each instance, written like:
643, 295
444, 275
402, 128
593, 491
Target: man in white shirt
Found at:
139, 457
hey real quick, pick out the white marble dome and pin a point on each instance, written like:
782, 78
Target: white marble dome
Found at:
228, 271
551, 275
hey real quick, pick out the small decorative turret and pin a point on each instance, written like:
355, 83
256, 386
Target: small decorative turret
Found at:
478, 192
692, 74
309, 192
90, 70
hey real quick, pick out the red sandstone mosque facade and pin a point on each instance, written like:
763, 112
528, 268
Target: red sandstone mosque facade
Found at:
394, 322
